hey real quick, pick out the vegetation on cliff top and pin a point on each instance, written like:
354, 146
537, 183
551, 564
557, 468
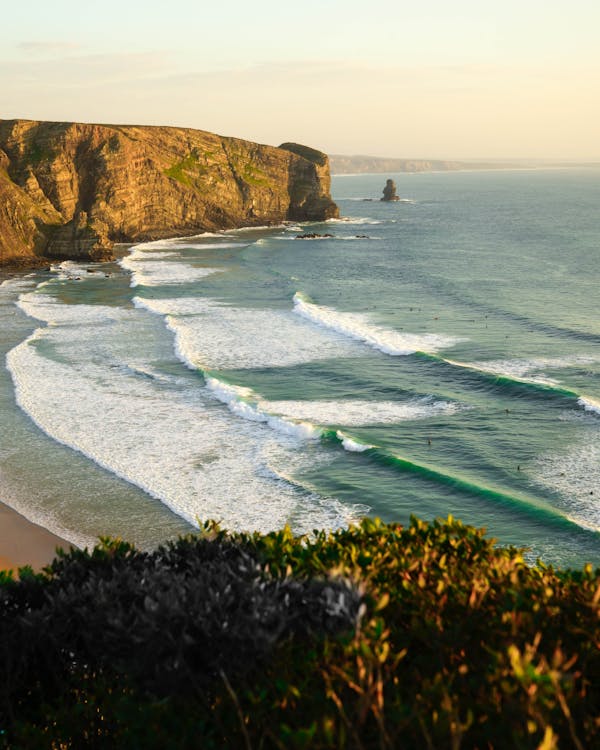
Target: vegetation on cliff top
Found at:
306, 152
377, 636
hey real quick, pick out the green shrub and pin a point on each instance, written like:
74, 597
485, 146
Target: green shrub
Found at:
376, 636
311, 154
187, 170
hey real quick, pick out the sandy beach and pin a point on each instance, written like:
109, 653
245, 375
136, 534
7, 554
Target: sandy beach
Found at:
21, 541
25, 543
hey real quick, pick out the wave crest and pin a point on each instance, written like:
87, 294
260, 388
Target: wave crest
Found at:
359, 327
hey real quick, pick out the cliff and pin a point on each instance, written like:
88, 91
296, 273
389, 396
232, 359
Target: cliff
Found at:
70, 190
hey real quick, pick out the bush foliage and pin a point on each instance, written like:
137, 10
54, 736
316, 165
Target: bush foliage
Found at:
372, 637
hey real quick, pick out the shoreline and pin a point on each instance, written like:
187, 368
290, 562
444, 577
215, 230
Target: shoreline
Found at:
469, 170
16, 266
23, 542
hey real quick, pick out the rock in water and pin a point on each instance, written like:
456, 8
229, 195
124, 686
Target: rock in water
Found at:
389, 191
71, 190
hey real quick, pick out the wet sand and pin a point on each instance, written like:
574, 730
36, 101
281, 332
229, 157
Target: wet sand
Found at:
25, 543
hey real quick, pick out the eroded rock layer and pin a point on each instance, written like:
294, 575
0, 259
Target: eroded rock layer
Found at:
71, 190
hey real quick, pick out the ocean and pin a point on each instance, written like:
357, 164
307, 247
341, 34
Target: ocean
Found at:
437, 355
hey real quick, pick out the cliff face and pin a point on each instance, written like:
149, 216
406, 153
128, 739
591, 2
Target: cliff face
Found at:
70, 190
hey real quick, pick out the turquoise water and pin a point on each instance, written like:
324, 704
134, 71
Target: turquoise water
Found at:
437, 355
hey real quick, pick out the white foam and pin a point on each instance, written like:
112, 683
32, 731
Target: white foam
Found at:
10, 287
139, 253
179, 445
352, 446
48, 309
358, 326
221, 245
171, 305
307, 419
236, 399
589, 404
354, 412
171, 242
17, 283
573, 473
151, 269
359, 220
70, 269
225, 239
214, 336
260, 228
302, 419
531, 370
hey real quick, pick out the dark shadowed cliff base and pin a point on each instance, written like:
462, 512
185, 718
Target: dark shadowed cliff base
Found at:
71, 190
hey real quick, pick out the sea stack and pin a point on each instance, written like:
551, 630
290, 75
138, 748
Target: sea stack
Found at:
389, 191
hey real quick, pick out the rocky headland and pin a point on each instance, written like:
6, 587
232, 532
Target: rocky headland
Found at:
71, 190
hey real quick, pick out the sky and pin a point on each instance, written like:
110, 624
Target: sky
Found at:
449, 79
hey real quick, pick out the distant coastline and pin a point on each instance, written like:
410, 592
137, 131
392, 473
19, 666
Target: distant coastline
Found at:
361, 164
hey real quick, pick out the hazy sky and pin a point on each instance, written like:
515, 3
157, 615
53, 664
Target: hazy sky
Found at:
425, 78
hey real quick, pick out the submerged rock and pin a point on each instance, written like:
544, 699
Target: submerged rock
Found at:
313, 236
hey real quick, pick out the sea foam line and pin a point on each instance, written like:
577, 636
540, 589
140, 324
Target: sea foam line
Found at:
305, 420
155, 269
549, 513
545, 385
359, 327
199, 463
311, 420
357, 220
21, 359
589, 404
237, 400
216, 336
18, 283
520, 369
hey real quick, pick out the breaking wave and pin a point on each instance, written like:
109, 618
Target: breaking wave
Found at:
151, 269
174, 442
214, 336
358, 326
